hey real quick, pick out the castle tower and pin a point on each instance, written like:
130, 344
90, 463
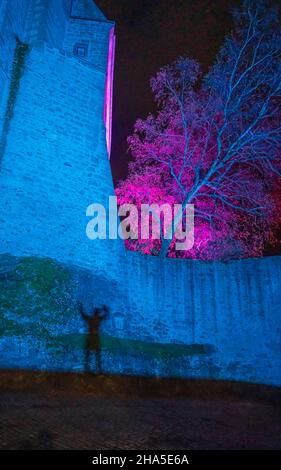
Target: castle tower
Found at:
55, 125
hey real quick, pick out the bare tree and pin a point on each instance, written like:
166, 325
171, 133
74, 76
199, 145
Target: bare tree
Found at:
219, 142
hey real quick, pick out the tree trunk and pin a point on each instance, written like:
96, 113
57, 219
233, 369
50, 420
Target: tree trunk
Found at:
164, 248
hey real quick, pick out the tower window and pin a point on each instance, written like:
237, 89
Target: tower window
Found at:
81, 49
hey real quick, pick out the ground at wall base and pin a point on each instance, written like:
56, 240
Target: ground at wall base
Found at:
83, 411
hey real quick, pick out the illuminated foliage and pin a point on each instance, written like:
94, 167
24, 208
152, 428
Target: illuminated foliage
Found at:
215, 142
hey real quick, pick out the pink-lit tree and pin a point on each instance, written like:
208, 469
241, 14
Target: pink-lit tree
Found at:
215, 141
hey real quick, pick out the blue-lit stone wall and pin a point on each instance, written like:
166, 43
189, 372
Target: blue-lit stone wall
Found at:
46, 21
94, 37
167, 317
11, 26
55, 162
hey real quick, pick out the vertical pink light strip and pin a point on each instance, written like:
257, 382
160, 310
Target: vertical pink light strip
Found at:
109, 89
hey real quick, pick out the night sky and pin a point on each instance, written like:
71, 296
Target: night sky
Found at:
150, 34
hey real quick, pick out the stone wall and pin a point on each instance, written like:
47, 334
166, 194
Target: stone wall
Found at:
55, 162
95, 35
26, 22
167, 317
12, 26
46, 21
234, 307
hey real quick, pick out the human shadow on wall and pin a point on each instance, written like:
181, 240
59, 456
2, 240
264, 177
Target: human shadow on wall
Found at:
93, 342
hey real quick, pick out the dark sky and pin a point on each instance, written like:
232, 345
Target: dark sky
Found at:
150, 34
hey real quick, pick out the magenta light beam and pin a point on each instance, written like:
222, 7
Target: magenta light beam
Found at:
109, 89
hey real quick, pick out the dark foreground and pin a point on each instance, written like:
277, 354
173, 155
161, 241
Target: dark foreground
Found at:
79, 411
